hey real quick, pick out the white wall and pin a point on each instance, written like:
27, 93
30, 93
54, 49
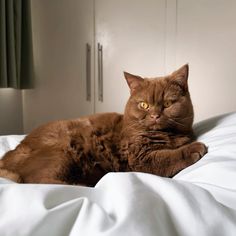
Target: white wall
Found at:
11, 116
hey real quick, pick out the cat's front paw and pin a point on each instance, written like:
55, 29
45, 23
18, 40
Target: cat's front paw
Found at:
195, 151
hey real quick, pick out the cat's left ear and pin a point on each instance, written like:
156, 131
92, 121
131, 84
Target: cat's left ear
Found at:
181, 76
133, 81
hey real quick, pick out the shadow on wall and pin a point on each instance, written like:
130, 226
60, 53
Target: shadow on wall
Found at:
11, 116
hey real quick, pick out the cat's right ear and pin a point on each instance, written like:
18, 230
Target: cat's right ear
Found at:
133, 81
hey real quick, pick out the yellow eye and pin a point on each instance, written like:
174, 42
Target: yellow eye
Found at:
168, 103
144, 105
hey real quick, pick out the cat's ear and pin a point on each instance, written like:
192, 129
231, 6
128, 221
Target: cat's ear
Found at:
133, 81
181, 76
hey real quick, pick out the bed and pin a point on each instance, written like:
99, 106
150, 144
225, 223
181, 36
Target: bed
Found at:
200, 200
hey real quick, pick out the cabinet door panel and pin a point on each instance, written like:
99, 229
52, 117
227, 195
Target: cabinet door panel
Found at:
206, 36
132, 35
61, 30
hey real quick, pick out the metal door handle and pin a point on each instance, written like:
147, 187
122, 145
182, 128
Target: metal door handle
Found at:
88, 72
100, 72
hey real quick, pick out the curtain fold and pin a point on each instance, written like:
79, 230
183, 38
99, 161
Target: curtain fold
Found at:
16, 52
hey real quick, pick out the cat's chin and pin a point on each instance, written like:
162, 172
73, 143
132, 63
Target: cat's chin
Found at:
155, 127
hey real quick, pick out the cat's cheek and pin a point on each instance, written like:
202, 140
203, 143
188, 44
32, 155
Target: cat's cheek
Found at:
173, 111
141, 115
137, 114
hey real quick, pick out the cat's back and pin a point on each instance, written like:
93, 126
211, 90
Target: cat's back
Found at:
102, 121
61, 132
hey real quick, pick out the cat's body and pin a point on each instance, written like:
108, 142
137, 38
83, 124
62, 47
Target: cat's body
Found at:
154, 136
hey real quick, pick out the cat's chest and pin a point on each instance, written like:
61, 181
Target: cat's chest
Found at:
151, 142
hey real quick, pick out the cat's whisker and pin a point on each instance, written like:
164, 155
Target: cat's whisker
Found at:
175, 122
133, 126
185, 118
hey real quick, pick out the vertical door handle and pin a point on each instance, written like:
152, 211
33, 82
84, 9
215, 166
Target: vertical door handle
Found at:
88, 72
100, 73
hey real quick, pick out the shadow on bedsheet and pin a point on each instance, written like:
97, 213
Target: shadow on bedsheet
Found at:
209, 124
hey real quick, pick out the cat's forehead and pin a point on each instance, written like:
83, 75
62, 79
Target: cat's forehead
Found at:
157, 80
155, 89
156, 84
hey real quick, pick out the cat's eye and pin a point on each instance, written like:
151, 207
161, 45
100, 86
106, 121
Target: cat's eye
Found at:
144, 105
168, 103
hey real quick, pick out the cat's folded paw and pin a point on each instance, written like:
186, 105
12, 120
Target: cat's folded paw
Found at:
195, 151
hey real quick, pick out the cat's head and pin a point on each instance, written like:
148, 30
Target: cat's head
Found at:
161, 103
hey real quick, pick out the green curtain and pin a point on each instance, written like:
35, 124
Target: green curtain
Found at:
16, 54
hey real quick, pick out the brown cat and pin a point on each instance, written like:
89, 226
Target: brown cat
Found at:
154, 136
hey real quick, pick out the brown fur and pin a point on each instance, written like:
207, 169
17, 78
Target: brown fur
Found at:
157, 140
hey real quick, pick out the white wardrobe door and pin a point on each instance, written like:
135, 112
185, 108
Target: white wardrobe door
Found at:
61, 30
206, 36
131, 35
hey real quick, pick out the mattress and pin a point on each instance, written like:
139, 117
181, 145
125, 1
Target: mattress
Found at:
200, 200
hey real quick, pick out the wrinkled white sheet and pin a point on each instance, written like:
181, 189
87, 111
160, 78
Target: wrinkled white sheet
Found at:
200, 200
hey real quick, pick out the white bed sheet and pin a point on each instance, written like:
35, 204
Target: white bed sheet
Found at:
200, 200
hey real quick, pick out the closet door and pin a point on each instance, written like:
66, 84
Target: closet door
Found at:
63, 39
130, 36
206, 39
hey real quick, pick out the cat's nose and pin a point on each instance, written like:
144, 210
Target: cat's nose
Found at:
155, 117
